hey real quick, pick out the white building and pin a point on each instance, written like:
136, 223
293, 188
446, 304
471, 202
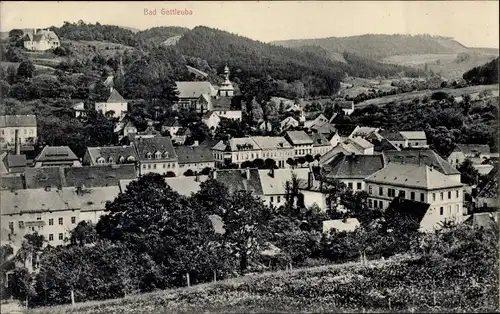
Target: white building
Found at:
156, 155
40, 40
115, 103
26, 125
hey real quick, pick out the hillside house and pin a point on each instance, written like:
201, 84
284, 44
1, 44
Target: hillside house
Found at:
361, 145
57, 156
363, 132
274, 183
477, 153
346, 106
301, 142
171, 125
395, 138
487, 198
288, 123
419, 183
320, 144
26, 126
156, 155
211, 120
79, 109
40, 40
190, 92
115, 104
415, 138
265, 126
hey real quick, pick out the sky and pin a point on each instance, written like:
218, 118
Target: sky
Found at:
472, 23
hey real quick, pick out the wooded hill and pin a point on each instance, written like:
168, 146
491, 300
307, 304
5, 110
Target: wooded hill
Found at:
485, 74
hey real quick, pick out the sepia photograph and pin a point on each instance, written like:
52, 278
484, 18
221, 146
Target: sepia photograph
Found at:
249, 157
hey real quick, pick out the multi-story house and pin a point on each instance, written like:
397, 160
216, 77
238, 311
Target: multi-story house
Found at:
288, 123
194, 158
190, 92
276, 148
416, 139
110, 155
302, 143
57, 156
26, 126
419, 183
320, 144
236, 151
363, 131
274, 182
353, 169
157, 155
115, 103
395, 138
40, 40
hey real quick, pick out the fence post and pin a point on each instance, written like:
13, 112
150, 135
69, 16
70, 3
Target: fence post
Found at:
290, 266
390, 308
26, 302
72, 297
215, 276
187, 280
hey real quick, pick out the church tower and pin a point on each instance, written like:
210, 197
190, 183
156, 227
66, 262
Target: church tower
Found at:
226, 89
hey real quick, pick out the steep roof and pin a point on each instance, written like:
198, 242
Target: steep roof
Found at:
470, 149
18, 121
236, 180
151, 145
194, 154
324, 128
271, 142
99, 176
383, 145
354, 167
486, 220
56, 153
114, 152
275, 184
172, 122
339, 148
361, 142
237, 144
363, 131
11, 182
36, 178
414, 135
299, 137
115, 97
289, 121
423, 156
194, 89
319, 140
490, 190
40, 200
16, 161
392, 136
411, 175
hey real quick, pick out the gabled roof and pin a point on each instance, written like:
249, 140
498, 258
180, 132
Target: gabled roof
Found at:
363, 131
18, 121
299, 138
207, 115
490, 190
271, 142
485, 220
194, 154
36, 178
353, 167
346, 149
114, 152
237, 144
412, 175
423, 156
99, 176
324, 128
236, 180
151, 145
392, 136
109, 82
56, 153
414, 135
11, 183
319, 140
115, 97
470, 149
171, 122
383, 145
275, 184
16, 161
194, 89
289, 121
360, 142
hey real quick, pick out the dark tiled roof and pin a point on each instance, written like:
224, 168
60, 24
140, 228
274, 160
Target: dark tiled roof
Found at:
382, 145
18, 121
299, 137
408, 209
486, 220
115, 97
56, 153
99, 176
16, 161
114, 152
209, 143
235, 180
194, 154
151, 145
424, 156
473, 148
392, 136
325, 128
357, 166
172, 122
11, 183
319, 139
36, 178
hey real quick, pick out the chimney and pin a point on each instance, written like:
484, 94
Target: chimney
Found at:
78, 190
17, 143
310, 179
214, 174
197, 177
271, 172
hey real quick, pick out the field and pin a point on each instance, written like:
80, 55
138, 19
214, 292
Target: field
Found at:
409, 96
447, 65
394, 285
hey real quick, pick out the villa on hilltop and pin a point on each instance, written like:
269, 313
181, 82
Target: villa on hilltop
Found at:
40, 40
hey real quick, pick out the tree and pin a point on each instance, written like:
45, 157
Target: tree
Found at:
259, 163
189, 173
13, 54
213, 197
30, 249
243, 222
21, 287
270, 163
11, 75
301, 160
291, 162
83, 233
26, 69
468, 173
309, 158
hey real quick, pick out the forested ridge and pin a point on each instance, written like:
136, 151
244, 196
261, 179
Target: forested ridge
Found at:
485, 74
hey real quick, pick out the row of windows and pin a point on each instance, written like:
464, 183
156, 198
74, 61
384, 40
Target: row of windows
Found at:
167, 165
278, 199
441, 210
102, 160
51, 222
208, 164
157, 155
51, 237
392, 193
31, 132
303, 151
376, 204
358, 185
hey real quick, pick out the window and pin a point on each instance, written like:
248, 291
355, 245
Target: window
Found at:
279, 199
272, 199
412, 196
380, 204
21, 224
441, 210
449, 195
51, 237
391, 192
154, 166
402, 194
358, 185
60, 236
449, 210
442, 195
164, 165
422, 197
369, 203
369, 189
51, 222
149, 166
433, 196
60, 221
143, 166
39, 218
457, 208
11, 225
73, 220
380, 191
349, 185
458, 193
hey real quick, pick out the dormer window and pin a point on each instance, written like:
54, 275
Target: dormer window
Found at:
110, 160
165, 155
100, 160
130, 158
121, 159
158, 155
149, 156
